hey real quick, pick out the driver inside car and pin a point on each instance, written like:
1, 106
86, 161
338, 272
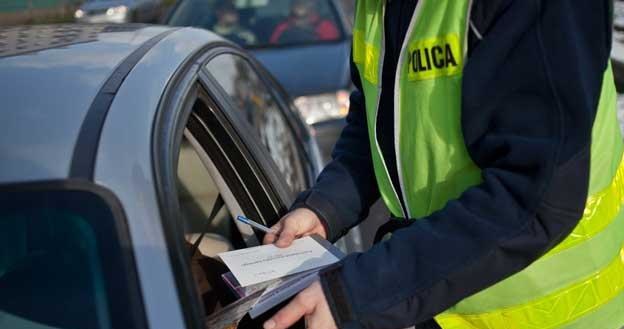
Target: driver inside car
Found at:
228, 24
304, 24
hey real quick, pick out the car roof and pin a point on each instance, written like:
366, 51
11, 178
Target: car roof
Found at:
49, 77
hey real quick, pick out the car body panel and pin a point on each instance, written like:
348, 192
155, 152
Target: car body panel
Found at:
311, 69
80, 68
124, 165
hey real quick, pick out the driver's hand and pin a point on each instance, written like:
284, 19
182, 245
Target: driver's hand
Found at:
296, 224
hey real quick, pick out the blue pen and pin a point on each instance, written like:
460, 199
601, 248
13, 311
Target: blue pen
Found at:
254, 224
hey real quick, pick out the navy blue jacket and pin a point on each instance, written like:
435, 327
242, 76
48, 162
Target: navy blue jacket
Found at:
530, 93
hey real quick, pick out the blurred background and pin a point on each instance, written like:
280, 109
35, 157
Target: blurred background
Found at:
18, 12
327, 105
21, 12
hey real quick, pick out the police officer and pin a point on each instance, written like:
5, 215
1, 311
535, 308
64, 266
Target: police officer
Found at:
489, 130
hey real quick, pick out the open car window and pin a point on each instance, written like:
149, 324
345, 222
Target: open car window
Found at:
208, 226
214, 184
204, 151
198, 193
263, 23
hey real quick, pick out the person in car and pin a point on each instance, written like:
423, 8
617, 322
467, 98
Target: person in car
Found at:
228, 24
304, 24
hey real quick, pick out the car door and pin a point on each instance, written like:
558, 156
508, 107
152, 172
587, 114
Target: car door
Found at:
250, 91
211, 164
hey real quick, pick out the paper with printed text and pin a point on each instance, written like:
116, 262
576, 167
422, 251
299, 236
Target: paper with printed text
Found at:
258, 264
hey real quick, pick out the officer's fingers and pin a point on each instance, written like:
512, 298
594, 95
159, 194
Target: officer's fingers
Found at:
288, 315
272, 236
309, 222
320, 317
288, 234
318, 230
320, 321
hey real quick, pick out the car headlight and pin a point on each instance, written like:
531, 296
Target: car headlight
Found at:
79, 13
119, 10
317, 108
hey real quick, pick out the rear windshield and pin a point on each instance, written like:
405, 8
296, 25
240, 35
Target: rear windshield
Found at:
262, 23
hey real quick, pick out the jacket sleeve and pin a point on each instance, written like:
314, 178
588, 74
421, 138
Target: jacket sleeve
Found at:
346, 188
530, 93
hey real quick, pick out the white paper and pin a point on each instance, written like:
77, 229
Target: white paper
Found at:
268, 262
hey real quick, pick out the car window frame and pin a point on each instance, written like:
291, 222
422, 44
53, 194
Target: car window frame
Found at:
250, 134
224, 147
131, 283
285, 106
173, 113
289, 108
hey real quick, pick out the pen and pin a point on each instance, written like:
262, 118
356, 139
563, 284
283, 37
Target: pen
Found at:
254, 224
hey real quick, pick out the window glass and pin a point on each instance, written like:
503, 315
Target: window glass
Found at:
262, 23
62, 263
256, 103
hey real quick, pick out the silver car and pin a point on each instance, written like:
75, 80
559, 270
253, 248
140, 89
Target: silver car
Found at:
124, 153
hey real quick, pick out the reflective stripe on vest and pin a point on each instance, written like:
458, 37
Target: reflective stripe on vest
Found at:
557, 309
578, 279
577, 299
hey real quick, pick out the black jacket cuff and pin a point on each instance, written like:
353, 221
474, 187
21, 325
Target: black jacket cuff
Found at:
325, 210
337, 297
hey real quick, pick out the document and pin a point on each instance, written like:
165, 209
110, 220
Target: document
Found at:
263, 263
265, 276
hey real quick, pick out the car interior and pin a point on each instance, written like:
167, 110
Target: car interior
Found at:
208, 205
209, 227
197, 194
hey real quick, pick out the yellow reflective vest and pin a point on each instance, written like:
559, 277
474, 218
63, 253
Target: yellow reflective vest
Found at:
577, 284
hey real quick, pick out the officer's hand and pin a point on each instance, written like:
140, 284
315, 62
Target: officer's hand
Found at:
312, 304
296, 224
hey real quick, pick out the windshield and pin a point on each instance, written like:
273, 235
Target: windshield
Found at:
262, 23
